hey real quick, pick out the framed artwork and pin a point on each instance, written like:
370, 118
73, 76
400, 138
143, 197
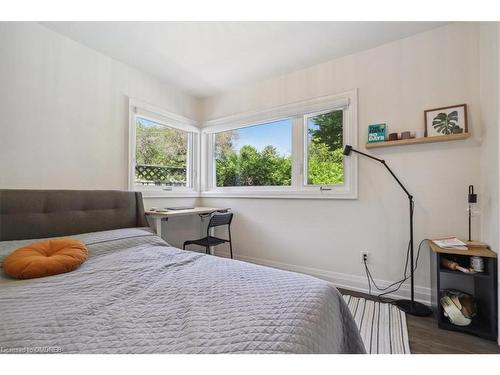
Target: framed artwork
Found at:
446, 120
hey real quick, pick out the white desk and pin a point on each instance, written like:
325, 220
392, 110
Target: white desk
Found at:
156, 218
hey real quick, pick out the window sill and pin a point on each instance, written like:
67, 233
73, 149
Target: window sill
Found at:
247, 195
279, 195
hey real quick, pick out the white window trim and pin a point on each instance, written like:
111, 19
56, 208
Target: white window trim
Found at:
298, 112
153, 113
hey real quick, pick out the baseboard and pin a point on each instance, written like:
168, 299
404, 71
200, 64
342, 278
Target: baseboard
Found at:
341, 280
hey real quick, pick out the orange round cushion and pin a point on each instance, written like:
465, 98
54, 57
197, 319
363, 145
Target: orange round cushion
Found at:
45, 258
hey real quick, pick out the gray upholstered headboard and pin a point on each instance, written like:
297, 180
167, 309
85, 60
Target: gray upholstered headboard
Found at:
26, 214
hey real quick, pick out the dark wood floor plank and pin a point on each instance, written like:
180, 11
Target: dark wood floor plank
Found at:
426, 338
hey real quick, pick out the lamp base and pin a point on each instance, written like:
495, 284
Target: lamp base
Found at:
413, 308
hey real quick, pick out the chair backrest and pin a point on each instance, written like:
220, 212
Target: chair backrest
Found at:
220, 219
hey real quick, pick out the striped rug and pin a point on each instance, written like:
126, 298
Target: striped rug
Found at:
382, 326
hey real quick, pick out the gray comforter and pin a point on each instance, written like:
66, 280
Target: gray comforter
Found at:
136, 294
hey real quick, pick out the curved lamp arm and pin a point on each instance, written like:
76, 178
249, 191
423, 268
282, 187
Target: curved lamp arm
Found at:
348, 149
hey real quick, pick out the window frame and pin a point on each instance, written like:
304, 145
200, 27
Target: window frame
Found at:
298, 112
305, 175
210, 156
171, 120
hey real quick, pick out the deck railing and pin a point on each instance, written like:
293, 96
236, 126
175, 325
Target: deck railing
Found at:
160, 175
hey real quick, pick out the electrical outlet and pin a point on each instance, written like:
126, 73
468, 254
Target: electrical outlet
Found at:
364, 257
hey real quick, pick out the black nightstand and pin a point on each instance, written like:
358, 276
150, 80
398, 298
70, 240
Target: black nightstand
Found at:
482, 286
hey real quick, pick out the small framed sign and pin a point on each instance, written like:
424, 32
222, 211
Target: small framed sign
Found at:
376, 133
446, 120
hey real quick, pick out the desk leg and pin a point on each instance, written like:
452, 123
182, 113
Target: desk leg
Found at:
155, 222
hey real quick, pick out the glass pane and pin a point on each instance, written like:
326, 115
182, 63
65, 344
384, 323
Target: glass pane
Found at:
161, 154
325, 140
258, 155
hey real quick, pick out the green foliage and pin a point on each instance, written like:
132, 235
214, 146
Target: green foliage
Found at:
158, 145
446, 124
324, 167
163, 147
328, 129
249, 167
224, 142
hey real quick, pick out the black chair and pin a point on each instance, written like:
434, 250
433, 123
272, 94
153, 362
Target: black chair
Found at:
216, 220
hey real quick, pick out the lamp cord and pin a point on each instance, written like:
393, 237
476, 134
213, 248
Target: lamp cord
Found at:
386, 290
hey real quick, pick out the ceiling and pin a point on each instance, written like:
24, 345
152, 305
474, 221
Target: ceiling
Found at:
207, 58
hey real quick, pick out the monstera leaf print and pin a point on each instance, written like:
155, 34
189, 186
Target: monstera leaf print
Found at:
446, 123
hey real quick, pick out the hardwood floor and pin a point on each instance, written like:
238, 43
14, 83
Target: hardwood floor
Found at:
426, 338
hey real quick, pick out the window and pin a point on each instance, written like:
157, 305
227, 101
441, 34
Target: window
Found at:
286, 152
291, 151
259, 155
162, 152
325, 159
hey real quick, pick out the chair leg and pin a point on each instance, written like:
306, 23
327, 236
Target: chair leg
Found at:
230, 241
208, 250
184, 246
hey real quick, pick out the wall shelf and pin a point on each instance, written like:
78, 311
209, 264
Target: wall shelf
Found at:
415, 141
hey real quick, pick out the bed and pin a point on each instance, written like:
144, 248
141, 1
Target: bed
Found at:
137, 294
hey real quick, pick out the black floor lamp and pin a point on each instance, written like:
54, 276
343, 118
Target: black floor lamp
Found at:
409, 306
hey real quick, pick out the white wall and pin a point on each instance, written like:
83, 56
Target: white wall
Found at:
489, 155
64, 113
490, 114
396, 83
